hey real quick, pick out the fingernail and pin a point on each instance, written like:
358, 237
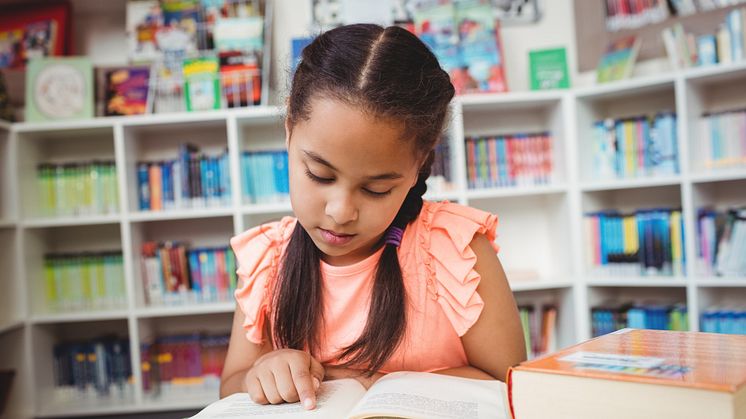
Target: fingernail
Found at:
316, 383
308, 404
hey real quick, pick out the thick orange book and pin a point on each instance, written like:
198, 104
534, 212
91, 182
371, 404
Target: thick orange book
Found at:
635, 373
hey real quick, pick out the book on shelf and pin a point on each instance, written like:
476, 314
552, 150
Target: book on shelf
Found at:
509, 160
617, 61
721, 244
623, 14
143, 19
59, 89
612, 316
33, 30
124, 90
539, 328
635, 373
465, 37
181, 365
265, 176
413, 395
635, 146
548, 69
728, 320
91, 369
722, 141
647, 242
201, 83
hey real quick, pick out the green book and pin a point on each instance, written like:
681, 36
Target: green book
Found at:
548, 69
201, 83
59, 89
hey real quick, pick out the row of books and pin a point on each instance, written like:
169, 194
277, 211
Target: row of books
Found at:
192, 180
721, 248
726, 45
607, 319
634, 147
539, 329
77, 188
631, 14
175, 365
441, 177
175, 275
264, 176
84, 281
722, 141
647, 242
724, 320
91, 369
509, 160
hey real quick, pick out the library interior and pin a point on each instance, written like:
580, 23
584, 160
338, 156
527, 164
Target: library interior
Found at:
137, 137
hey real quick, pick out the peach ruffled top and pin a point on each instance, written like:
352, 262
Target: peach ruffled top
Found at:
437, 267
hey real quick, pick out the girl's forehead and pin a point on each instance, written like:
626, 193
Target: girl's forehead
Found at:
354, 137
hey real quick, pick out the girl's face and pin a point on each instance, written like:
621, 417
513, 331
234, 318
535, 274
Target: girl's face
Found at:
349, 175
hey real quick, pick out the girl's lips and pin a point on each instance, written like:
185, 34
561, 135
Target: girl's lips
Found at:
335, 239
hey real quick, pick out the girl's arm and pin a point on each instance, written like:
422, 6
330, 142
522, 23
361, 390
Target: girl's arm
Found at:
241, 356
495, 342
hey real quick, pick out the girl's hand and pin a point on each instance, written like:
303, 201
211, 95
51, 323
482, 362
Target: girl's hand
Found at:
285, 375
335, 373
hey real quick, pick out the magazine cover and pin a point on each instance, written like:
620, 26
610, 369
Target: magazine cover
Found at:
34, 30
201, 83
144, 18
59, 88
241, 79
126, 91
618, 60
480, 46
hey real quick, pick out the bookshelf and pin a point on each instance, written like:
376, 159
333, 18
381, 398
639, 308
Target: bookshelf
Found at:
540, 233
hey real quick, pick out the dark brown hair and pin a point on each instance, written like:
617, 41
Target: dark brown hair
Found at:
391, 74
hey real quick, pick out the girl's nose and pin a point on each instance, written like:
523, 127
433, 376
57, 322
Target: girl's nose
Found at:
342, 209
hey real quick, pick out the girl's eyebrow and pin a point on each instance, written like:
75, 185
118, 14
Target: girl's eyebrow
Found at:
318, 159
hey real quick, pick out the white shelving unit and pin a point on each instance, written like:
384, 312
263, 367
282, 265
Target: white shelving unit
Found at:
540, 226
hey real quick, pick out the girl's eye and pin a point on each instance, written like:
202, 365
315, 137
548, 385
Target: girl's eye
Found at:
318, 179
376, 194
324, 180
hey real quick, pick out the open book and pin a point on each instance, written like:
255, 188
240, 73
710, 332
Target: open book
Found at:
411, 395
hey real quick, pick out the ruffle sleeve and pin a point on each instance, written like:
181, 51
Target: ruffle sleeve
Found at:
258, 252
448, 230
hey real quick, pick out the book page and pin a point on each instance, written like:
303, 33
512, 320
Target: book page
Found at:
418, 395
334, 400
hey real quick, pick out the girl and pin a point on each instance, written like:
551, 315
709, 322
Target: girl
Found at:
368, 279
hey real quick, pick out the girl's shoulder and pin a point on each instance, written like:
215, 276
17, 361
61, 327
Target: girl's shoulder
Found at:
262, 244
444, 260
443, 224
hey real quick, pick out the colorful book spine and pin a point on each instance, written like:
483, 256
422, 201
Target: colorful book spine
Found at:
89, 370
729, 320
723, 142
647, 242
191, 180
610, 318
264, 176
721, 244
513, 160
634, 147
174, 274
74, 189
84, 281
182, 364
441, 178
539, 329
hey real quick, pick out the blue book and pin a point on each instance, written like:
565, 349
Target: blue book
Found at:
735, 28
707, 50
194, 271
167, 184
225, 178
143, 186
185, 151
203, 174
212, 273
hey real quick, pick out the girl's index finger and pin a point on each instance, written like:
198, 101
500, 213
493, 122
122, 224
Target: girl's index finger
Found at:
304, 383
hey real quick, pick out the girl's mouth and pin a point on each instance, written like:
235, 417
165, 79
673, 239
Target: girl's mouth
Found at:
335, 239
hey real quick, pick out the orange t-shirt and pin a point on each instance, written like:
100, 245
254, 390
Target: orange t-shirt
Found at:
437, 267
